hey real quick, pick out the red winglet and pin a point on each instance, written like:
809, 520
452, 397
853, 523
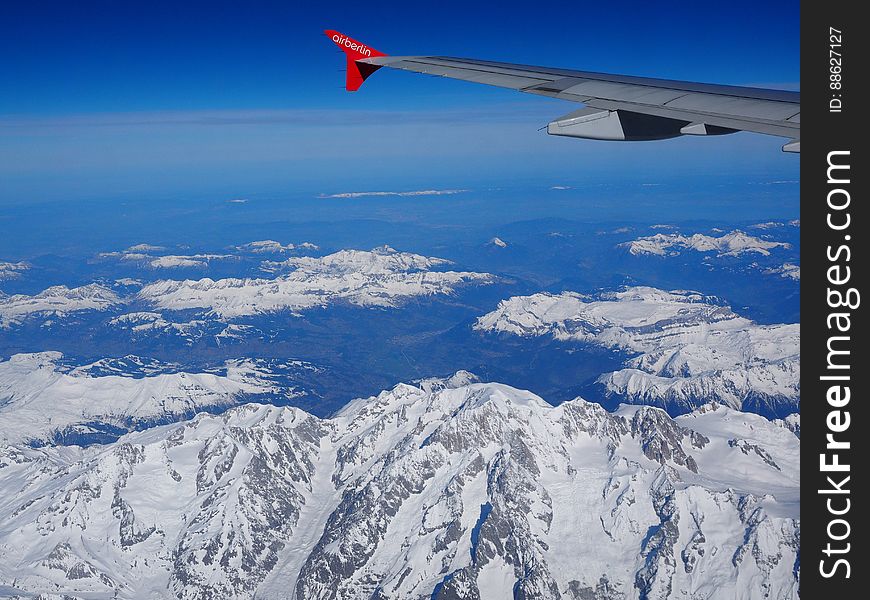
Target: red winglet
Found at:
357, 72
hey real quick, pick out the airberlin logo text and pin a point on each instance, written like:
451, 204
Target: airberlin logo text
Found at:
349, 43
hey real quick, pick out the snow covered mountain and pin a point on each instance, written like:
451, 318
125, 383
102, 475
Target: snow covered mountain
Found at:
786, 271
148, 323
687, 348
792, 422
445, 489
57, 300
381, 277
148, 255
734, 243
10, 270
274, 247
175, 261
42, 400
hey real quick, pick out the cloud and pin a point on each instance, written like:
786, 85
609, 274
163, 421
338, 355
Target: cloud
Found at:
402, 194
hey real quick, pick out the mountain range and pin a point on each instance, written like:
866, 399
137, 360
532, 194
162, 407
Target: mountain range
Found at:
447, 488
684, 348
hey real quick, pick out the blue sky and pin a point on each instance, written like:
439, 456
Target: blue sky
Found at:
101, 99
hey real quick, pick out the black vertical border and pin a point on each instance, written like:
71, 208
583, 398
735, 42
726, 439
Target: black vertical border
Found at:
822, 132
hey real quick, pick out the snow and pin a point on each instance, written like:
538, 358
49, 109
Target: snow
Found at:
686, 348
734, 243
626, 319
200, 261
791, 422
496, 580
41, 399
387, 495
767, 225
149, 322
145, 254
10, 270
314, 514
787, 271
726, 427
145, 248
128, 281
496, 241
58, 300
173, 262
273, 247
382, 277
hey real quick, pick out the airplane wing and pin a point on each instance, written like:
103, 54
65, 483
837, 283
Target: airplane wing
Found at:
617, 107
